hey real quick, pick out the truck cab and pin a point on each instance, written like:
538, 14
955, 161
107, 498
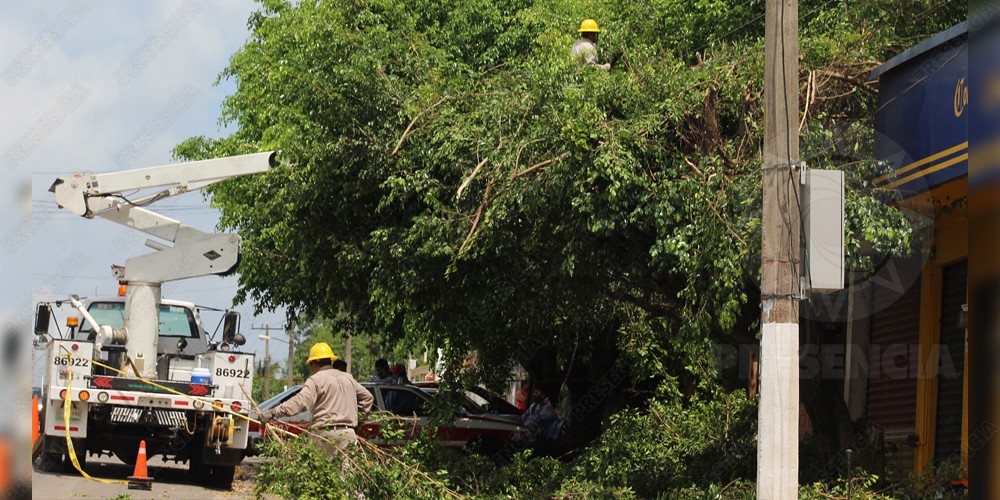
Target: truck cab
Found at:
181, 335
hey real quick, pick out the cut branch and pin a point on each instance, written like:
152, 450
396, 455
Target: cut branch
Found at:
693, 166
725, 223
517, 159
475, 221
536, 166
809, 86
471, 176
414, 120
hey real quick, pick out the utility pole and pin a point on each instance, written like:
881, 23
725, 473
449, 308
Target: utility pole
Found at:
291, 348
347, 344
778, 414
267, 359
347, 351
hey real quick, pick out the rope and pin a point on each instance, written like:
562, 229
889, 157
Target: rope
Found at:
190, 431
70, 450
172, 391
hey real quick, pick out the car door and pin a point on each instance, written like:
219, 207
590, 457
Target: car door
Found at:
401, 406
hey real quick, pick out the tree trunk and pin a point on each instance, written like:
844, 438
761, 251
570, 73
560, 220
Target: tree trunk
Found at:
822, 396
593, 381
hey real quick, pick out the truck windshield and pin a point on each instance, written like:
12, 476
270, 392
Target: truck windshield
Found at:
175, 321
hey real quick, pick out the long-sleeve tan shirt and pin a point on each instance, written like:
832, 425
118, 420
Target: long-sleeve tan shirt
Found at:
333, 397
585, 52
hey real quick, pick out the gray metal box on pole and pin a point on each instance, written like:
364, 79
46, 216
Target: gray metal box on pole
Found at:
823, 222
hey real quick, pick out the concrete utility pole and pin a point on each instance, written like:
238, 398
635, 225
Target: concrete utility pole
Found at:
347, 344
778, 417
267, 359
291, 348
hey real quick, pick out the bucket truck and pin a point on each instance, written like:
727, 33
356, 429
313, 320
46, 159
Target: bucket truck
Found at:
141, 367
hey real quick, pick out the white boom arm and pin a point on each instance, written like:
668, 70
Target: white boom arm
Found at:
194, 253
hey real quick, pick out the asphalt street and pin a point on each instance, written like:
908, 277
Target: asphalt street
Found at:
169, 481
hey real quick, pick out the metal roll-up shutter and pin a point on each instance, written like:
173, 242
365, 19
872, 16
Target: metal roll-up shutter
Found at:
951, 365
892, 380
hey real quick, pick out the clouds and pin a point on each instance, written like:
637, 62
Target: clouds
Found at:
132, 57
102, 85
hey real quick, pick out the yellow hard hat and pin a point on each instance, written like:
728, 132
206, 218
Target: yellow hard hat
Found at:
589, 26
321, 350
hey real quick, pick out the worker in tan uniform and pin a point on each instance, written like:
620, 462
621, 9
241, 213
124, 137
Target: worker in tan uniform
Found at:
585, 49
333, 397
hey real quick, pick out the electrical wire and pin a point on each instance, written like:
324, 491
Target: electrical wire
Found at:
157, 197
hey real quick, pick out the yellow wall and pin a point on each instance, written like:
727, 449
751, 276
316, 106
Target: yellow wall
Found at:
950, 244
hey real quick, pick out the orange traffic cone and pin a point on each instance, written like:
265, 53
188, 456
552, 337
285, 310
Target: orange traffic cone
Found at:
4, 465
139, 480
34, 418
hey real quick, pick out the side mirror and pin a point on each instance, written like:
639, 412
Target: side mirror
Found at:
42, 315
230, 326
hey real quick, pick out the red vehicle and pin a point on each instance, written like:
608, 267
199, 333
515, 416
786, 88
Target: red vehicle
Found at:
482, 433
480, 401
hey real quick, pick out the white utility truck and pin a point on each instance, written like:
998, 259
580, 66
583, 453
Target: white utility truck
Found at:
144, 368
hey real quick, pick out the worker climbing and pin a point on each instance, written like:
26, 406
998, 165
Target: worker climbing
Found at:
585, 49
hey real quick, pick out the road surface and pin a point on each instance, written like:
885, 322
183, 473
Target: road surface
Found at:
169, 481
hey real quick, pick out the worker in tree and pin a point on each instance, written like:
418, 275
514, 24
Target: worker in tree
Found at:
333, 397
585, 49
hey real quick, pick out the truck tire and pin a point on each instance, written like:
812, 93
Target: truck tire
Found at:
127, 452
81, 456
222, 476
199, 472
50, 462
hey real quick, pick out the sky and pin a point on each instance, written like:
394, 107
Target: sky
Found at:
102, 86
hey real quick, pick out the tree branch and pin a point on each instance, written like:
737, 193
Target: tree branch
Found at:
414, 120
517, 160
471, 176
475, 222
536, 166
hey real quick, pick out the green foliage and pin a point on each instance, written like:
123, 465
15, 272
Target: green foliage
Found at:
933, 483
454, 179
672, 446
862, 487
299, 469
699, 449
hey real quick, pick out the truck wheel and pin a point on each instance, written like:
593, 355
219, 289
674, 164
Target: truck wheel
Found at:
50, 462
199, 472
81, 456
222, 476
126, 453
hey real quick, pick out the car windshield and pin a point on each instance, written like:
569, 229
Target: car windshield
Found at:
175, 321
279, 398
468, 403
478, 400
